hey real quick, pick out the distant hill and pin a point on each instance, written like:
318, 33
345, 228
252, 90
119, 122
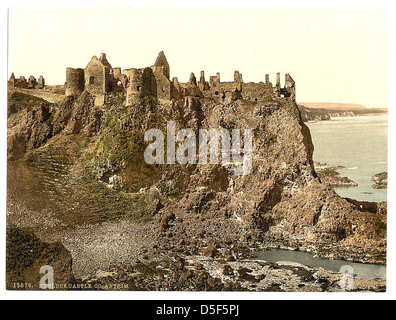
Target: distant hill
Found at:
320, 111
333, 105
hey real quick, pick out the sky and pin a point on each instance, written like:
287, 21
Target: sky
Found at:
334, 55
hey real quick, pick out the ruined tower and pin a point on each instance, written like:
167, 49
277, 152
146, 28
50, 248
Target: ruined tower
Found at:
75, 82
141, 84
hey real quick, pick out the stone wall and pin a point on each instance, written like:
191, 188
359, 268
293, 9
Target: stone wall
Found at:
256, 91
289, 90
162, 86
31, 83
22, 83
141, 84
46, 95
95, 77
100, 79
75, 82
176, 89
41, 83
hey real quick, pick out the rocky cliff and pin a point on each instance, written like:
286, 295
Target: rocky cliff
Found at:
194, 208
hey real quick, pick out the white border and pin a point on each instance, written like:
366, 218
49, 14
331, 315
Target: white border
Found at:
51, 295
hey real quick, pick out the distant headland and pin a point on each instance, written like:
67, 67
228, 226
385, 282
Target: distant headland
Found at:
321, 111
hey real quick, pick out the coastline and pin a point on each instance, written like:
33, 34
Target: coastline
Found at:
316, 114
329, 174
358, 146
348, 118
197, 223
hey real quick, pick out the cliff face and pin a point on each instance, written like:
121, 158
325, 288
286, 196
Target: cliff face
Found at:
202, 206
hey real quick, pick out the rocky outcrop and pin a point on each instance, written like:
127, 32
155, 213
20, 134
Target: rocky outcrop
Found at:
29, 124
32, 121
329, 175
197, 273
380, 180
200, 208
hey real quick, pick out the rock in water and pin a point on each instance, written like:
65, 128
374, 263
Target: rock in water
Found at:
381, 180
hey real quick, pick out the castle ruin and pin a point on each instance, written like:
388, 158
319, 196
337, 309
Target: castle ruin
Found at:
31, 83
99, 78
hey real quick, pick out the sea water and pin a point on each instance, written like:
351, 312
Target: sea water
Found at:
359, 144
361, 270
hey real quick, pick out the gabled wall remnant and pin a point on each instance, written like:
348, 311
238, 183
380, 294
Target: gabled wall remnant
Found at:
290, 87
161, 65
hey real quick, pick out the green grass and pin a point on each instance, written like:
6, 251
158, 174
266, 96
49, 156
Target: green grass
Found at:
20, 101
24, 248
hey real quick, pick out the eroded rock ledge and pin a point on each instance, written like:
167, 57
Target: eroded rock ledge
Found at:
190, 208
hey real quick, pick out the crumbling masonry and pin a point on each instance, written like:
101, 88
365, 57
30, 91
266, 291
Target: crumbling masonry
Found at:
99, 78
31, 83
